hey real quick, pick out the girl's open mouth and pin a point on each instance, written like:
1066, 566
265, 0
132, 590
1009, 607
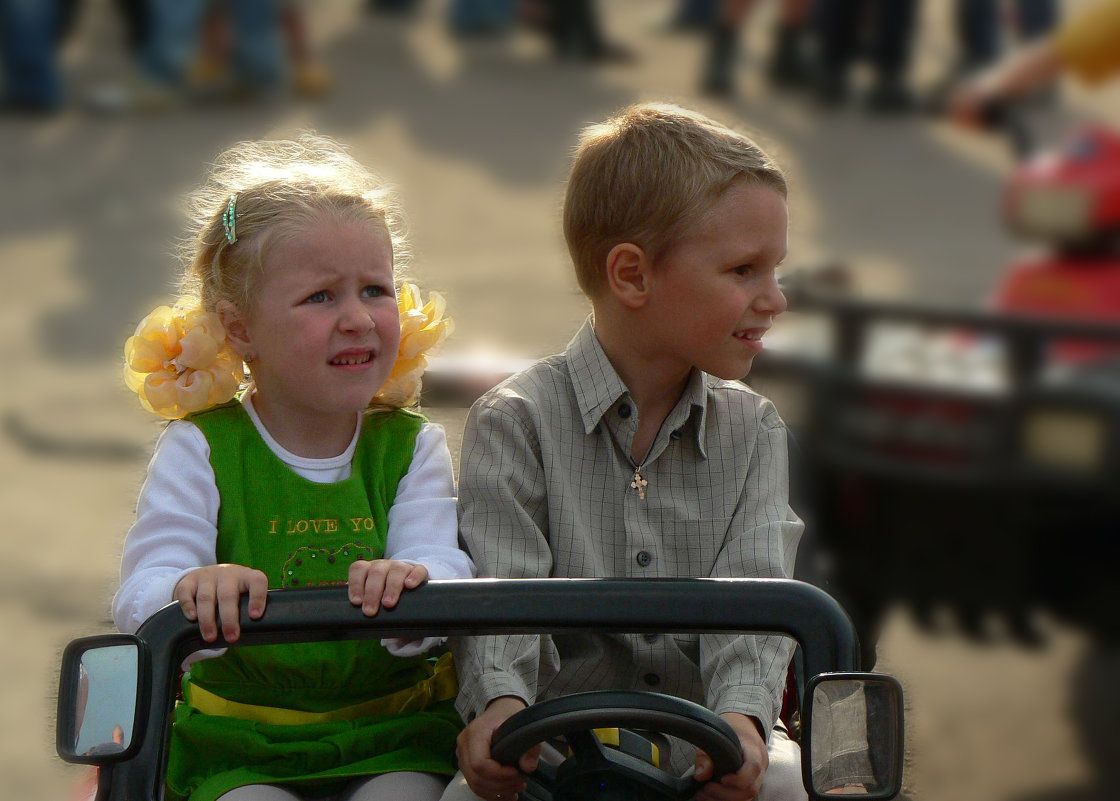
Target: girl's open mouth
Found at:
351, 359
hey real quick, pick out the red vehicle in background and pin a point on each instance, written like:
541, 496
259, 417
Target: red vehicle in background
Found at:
1069, 199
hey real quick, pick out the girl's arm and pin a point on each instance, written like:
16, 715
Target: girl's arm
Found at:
423, 526
175, 529
423, 523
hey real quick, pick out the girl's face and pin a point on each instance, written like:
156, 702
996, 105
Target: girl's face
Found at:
324, 329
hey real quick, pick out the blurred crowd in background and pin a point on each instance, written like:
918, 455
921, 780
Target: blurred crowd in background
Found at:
199, 50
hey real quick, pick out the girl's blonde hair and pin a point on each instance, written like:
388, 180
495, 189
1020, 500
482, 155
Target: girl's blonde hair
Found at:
646, 173
280, 186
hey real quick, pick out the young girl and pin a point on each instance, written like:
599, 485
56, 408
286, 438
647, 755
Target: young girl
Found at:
313, 475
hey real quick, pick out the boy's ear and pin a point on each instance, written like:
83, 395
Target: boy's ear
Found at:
628, 274
236, 331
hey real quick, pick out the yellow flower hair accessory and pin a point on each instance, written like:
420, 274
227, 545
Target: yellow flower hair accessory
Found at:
179, 362
423, 329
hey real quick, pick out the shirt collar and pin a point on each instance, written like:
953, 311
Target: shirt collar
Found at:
598, 386
694, 402
596, 383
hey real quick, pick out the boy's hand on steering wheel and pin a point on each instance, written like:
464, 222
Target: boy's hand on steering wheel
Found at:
745, 783
380, 583
487, 778
209, 593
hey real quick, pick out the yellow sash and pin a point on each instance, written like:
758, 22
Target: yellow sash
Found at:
440, 686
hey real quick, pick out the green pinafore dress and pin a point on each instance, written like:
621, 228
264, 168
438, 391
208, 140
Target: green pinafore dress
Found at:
315, 715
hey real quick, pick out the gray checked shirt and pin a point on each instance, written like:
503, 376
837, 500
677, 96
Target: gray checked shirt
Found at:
545, 490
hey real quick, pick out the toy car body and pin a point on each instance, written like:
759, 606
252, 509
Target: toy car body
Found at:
947, 458
133, 678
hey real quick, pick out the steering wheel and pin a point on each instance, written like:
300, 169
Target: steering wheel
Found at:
595, 772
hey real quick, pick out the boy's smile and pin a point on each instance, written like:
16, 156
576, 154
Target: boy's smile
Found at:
714, 295
752, 336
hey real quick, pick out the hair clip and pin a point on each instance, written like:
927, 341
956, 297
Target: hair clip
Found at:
229, 219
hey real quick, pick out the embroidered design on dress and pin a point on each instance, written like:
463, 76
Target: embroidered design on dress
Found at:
322, 567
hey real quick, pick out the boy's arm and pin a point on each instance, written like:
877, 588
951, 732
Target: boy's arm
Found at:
503, 514
747, 673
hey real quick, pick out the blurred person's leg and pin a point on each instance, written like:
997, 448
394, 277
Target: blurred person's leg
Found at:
293, 21
162, 38
137, 23
723, 47
573, 26
172, 40
1036, 18
695, 14
257, 55
976, 25
28, 71
209, 71
480, 16
790, 64
392, 6
891, 48
979, 28
309, 77
978, 31
838, 24
66, 12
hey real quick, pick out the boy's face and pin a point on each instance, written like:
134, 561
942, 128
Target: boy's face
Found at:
715, 292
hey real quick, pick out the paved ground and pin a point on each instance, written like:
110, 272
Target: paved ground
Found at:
478, 137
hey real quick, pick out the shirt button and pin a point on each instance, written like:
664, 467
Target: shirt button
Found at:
624, 411
676, 434
651, 638
652, 679
644, 558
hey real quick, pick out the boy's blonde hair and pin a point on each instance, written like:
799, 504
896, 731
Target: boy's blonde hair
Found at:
645, 174
280, 187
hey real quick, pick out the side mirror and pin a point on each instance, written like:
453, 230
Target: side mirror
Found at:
101, 690
852, 737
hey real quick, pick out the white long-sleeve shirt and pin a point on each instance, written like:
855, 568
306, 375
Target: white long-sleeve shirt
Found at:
177, 512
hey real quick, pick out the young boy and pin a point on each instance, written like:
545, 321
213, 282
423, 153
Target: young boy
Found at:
635, 453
